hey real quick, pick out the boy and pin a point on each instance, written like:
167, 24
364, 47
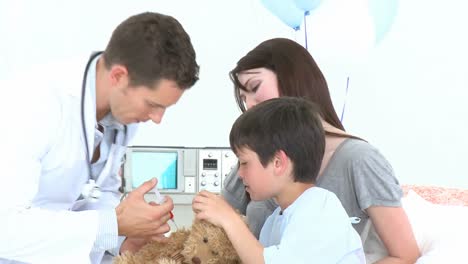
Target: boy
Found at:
280, 145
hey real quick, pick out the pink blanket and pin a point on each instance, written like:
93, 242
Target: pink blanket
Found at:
439, 195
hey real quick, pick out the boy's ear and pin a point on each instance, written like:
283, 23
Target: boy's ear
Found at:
280, 161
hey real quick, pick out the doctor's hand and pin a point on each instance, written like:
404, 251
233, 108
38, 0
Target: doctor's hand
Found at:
133, 245
136, 218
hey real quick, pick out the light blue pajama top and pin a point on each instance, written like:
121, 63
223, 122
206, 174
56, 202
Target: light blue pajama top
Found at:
313, 229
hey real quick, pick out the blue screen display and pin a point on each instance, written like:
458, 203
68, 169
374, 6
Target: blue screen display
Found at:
161, 165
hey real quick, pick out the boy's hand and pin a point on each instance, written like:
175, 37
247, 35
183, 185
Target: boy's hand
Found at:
213, 208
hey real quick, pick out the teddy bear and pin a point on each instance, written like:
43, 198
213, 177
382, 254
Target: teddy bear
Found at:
204, 243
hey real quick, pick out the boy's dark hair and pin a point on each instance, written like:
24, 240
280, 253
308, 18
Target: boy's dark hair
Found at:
290, 124
153, 47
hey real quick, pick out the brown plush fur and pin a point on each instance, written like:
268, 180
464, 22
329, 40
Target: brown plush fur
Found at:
156, 252
203, 244
209, 244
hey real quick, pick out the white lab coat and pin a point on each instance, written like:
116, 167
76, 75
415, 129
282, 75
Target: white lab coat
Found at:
43, 168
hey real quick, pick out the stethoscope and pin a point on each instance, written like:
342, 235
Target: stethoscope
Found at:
91, 190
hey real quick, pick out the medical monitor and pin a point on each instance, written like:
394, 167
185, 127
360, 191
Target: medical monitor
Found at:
161, 165
145, 163
178, 169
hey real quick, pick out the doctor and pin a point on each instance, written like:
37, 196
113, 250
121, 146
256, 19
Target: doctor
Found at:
66, 136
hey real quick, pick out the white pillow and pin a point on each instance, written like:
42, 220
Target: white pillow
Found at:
440, 230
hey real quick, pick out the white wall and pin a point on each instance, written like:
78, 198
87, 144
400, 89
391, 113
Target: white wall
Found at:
410, 97
407, 95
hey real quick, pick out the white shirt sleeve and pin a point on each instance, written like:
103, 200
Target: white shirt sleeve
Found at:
107, 237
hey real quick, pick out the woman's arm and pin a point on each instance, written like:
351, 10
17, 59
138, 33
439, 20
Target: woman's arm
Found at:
379, 194
394, 229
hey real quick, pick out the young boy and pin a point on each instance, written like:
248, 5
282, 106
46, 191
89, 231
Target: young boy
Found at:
280, 145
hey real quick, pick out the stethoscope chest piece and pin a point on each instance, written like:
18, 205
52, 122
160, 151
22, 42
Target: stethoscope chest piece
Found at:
91, 191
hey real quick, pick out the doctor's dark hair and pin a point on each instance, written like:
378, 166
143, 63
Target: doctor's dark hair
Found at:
297, 72
152, 47
290, 124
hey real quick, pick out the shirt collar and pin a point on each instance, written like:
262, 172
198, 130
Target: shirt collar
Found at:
108, 121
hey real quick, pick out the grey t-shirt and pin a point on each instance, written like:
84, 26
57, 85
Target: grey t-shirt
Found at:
357, 173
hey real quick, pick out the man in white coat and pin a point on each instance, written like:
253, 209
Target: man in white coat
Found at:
67, 132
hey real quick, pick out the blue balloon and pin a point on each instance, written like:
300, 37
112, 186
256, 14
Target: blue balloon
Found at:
286, 11
383, 13
307, 5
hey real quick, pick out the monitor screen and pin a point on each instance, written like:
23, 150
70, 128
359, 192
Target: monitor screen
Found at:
147, 165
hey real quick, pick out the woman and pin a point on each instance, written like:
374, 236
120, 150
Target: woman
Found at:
354, 170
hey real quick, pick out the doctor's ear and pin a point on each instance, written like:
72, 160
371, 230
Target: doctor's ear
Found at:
118, 75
